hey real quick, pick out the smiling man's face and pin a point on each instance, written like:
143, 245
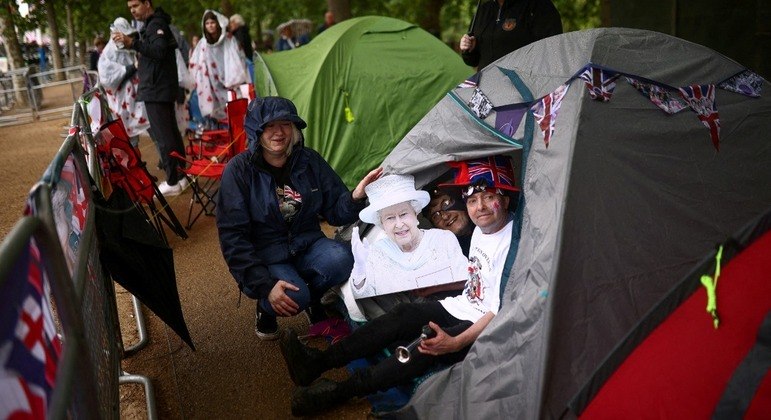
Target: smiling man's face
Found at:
456, 221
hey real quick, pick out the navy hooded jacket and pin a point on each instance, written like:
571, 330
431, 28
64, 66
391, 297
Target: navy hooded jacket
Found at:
252, 231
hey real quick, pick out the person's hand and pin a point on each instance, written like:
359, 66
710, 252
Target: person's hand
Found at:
440, 344
360, 249
120, 37
358, 192
281, 302
467, 43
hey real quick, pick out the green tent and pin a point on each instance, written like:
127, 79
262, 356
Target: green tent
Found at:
388, 72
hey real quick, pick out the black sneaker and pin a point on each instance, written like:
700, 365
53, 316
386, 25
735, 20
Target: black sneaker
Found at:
304, 363
266, 326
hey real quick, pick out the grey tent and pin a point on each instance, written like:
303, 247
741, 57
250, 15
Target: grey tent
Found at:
619, 208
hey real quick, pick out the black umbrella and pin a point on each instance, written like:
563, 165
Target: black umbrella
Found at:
137, 258
474, 20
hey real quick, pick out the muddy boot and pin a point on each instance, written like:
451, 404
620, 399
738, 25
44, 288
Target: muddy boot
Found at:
305, 364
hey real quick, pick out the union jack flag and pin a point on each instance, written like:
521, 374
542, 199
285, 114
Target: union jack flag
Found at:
29, 346
545, 112
471, 82
600, 83
701, 99
292, 194
496, 171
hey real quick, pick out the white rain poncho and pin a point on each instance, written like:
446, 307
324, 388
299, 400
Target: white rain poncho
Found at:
122, 96
215, 68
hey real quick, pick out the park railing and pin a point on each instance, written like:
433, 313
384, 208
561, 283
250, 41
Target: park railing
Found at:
60, 338
27, 94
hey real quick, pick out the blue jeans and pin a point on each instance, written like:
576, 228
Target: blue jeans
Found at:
324, 264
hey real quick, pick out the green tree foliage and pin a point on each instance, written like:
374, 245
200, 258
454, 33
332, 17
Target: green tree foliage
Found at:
93, 17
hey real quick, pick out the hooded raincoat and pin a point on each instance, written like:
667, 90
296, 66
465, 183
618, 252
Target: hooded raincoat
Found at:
252, 230
217, 67
117, 73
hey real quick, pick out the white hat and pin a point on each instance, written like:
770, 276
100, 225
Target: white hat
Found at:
123, 26
390, 190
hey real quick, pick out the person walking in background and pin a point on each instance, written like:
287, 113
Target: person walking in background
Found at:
158, 85
193, 43
117, 73
93, 57
502, 26
240, 32
288, 40
269, 205
329, 20
217, 65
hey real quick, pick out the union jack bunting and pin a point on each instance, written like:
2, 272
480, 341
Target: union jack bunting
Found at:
508, 118
29, 346
600, 83
545, 112
701, 98
746, 83
479, 104
661, 97
471, 82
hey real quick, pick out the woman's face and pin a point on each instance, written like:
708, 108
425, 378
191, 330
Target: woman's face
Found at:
211, 26
400, 223
276, 137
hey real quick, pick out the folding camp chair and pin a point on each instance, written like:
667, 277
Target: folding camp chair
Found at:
213, 142
124, 167
204, 171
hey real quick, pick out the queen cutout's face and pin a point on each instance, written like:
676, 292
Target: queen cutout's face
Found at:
400, 223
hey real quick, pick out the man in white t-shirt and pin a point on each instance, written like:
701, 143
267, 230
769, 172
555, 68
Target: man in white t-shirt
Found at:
488, 187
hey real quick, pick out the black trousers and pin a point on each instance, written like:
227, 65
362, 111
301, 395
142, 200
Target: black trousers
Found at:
399, 326
164, 132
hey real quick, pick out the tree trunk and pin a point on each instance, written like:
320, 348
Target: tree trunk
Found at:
71, 53
12, 45
53, 27
340, 8
429, 17
226, 8
13, 49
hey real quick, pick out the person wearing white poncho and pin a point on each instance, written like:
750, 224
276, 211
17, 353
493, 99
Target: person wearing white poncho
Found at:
117, 73
217, 65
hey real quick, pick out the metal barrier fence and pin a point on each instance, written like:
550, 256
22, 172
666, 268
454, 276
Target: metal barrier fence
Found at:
27, 95
60, 351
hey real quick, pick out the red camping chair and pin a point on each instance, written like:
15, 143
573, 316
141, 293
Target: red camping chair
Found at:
123, 166
204, 172
213, 143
